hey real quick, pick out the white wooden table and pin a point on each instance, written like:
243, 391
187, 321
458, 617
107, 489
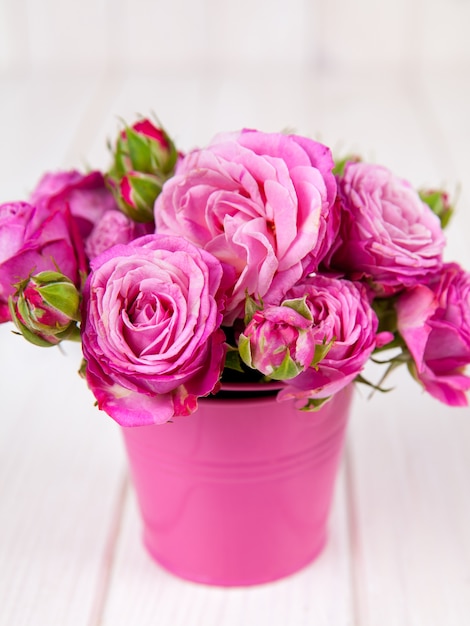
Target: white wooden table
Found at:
70, 551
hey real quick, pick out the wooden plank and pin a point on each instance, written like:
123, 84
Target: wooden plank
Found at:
408, 455
142, 592
408, 460
61, 462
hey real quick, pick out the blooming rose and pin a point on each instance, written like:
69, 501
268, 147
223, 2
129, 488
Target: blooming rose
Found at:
114, 227
151, 335
344, 331
85, 194
434, 321
261, 203
276, 342
388, 235
34, 239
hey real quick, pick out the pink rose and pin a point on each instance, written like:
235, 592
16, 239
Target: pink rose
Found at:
112, 228
35, 239
46, 309
344, 332
151, 335
259, 202
277, 341
85, 194
434, 321
388, 236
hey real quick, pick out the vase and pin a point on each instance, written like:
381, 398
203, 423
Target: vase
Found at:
239, 492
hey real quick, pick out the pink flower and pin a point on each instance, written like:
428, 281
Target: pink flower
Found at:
112, 228
34, 239
46, 308
151, 336
259, 202
388, 236
84, 194
344, 331
277, 341
434, 321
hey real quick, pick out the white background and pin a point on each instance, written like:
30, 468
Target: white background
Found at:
389, 80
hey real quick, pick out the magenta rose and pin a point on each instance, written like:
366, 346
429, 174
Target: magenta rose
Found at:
151, 335
277, 341
434, 321
85, 194
112, 228
259, 202
388, 235
344, 332
35, 239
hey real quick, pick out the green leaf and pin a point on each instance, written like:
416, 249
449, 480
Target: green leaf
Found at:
232, 360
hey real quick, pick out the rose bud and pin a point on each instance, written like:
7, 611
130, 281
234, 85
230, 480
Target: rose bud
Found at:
45, 308
276, 342
144, 157
439, 203
344, 330
34, 239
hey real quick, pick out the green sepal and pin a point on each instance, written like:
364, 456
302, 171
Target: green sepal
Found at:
62, 296
168, 166
321, 350
49, 276
315, 404
72, 333
300, 305
386, 313
82, 369
368, 383
22, 307
139, 151
147, 187
244, 350
340, 165
436, 202
27, 334
251, 307
287, 369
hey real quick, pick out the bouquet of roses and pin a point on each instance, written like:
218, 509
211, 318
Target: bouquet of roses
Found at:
256, 258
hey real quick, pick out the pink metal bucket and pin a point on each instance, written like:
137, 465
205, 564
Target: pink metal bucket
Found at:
239, 492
